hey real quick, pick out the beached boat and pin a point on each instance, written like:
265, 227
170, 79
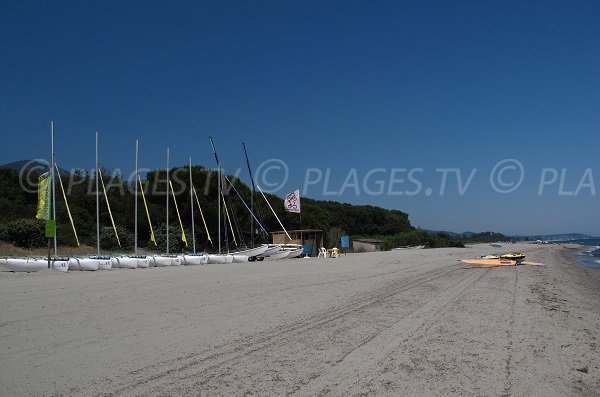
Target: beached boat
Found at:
249, 254
288, 251
23, 264
272, 249
167, 260
124, 262
515, 256
490, 262
282, 254
195, 259
104, 262
83, 264
295, 253
489, 257
220, 258
410, 247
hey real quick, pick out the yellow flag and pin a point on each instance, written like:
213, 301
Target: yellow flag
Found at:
43, 207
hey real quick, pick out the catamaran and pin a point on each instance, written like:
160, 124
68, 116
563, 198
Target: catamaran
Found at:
134, 261
167, 259
194, 258
48, 212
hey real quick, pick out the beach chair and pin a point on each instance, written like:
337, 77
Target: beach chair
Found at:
322, 253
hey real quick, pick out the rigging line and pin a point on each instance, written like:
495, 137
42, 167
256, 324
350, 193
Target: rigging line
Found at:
249, 210
178, 216
66, 203
269, 204
228, 219
202, 215
108, 205
152, 238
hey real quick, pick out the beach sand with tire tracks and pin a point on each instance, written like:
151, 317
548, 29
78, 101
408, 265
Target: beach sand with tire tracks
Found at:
409, 322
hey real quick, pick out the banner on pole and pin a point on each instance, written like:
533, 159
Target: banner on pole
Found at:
43, 207
292, 201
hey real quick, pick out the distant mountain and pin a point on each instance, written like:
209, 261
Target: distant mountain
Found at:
495, 236
560, 237
26, 165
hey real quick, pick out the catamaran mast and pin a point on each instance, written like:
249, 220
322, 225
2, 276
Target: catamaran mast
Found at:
218, 189
52, 178
135, 244
251, 196
168, 201
192, 207
97, 202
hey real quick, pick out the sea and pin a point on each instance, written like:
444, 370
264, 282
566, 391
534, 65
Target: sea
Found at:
590, 260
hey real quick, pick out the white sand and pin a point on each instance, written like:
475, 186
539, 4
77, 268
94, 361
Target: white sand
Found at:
412, 322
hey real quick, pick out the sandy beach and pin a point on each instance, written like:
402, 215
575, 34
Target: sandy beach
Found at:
412, 322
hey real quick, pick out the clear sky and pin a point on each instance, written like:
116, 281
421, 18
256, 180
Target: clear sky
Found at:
389, 103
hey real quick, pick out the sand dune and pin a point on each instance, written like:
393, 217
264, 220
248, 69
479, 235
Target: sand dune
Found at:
414, 322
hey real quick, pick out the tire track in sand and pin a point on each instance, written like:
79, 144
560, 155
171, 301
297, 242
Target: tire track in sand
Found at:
204, 366
363, 362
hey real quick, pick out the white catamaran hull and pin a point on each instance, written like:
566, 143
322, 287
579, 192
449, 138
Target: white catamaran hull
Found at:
195, 259
294, 253
104, 263
166, 260
62, 265
282, 254
220, 258
272, 249
124, 262
23, 264
83, 264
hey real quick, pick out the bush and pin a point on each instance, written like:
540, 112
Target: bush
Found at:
176, 245
108, 240
24, 233
422, 237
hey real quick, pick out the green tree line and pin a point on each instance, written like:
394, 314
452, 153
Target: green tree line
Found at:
18, 208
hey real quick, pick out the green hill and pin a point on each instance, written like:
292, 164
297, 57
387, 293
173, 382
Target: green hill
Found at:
18, 202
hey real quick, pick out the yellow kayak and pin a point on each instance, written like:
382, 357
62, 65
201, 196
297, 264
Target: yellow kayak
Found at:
490, 262
515, 256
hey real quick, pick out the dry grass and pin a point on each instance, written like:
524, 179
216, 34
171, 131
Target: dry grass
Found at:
7, 249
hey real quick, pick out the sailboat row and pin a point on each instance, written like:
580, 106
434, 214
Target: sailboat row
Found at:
103, 262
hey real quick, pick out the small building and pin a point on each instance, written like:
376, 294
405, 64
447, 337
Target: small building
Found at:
367, 245
313, 237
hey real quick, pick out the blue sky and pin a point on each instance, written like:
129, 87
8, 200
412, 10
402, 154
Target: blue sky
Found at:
356, 90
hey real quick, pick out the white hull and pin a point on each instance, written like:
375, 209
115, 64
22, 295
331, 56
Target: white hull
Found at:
240, 258
252, 251
143, 262
198, 259
60, 265
23, 264
166, 260
272, 249
414, 247
220, 258
104, 262
161, 261
124, 262
83, 264
295, 253
282, 254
